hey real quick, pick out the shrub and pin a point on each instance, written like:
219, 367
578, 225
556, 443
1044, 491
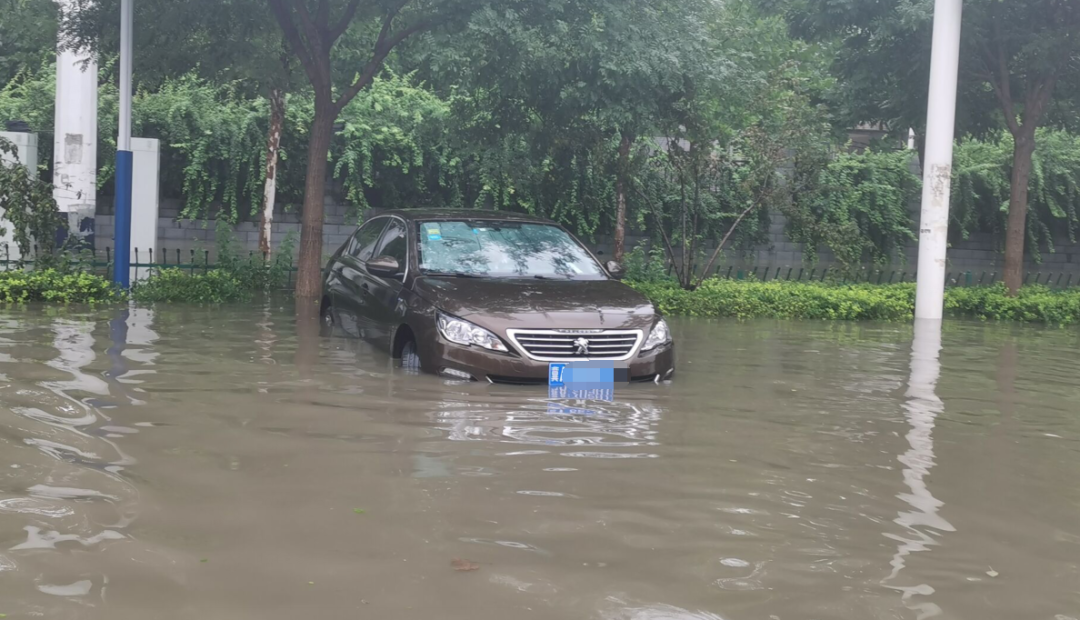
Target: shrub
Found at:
253, 272
646, 267
858, 205
173, 285
1037, 304
56, 287
890, 302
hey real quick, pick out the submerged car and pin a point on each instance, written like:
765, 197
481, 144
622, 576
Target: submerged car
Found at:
489, 296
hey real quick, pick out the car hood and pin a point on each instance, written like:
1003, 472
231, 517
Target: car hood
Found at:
501, 304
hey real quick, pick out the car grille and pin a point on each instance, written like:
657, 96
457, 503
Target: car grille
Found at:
548, 345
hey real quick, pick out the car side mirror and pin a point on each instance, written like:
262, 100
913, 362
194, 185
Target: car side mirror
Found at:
384, 266
615, 269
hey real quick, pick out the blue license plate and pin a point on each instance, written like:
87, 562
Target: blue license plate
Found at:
591, 380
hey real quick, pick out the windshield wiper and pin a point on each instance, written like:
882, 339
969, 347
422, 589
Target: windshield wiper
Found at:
540, 277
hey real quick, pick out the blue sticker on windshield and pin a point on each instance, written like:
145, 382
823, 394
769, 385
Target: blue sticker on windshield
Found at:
476, 231
435, 237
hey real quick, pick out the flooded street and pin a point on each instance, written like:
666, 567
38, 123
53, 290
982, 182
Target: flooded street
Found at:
214, 464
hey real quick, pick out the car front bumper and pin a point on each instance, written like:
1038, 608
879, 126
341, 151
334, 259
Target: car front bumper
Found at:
484, 365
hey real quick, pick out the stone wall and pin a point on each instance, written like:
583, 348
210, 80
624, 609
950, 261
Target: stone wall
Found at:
978, 254
175, 233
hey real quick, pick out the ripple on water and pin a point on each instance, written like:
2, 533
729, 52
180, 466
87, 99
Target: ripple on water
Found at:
79, 588
36, 538
506, 543
654, 612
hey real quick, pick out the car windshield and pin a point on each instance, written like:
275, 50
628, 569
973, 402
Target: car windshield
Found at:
503, 249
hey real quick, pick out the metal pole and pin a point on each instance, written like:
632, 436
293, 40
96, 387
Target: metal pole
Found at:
937, 164
122, 266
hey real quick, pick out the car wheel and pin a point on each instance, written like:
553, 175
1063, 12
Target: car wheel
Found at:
326, 320
410, 359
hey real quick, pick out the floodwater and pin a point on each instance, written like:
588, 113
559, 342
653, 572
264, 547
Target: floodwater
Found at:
222, 464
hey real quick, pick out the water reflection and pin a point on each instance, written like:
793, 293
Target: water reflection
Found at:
551, 424
922, 408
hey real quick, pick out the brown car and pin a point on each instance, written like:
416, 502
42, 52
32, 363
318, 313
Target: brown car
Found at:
489, 296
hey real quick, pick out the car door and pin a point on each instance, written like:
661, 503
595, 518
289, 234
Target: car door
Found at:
348, 277
382, 293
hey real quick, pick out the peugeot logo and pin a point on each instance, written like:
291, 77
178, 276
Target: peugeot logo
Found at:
582, 345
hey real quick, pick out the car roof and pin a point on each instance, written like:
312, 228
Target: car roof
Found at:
462, 214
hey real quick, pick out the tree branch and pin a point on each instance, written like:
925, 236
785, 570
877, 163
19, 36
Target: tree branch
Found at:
1003, 85
383, 46
663, 233
738, 220
293, 36
310, 31
342, 24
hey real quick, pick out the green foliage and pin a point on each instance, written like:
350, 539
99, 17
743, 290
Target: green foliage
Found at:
394, 145
786, 300
646, 267
1033, 304
981, 188
174, 285
49, 285
214, 143
236, 276
253, 272
30, 96
830, 301
27, 205
29, 35
858, 205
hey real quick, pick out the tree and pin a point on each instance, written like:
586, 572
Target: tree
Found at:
313, 29
27, 35
231, 41
27, 205
726, 160
1024, 50
1020, 61
586, 82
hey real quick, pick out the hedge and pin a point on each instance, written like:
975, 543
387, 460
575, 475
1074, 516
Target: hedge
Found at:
53, 286
822, 300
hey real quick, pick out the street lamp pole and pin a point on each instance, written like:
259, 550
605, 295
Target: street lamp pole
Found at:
122, 259
937, 162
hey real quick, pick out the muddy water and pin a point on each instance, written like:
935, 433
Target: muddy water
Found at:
214, 464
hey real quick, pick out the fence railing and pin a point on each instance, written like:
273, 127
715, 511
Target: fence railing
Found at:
144, 260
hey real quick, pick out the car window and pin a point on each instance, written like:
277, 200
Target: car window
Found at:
363, 242
393, 242
503, 249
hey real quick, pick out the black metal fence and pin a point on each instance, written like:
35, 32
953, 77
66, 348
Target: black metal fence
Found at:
145, 260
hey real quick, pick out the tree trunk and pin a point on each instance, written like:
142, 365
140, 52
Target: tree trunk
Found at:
309, 274
1023, 150
620, 195
273, 143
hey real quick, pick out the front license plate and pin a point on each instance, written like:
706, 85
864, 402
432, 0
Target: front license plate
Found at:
592, 380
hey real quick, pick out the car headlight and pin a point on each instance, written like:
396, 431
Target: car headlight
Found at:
465, 333
660, 335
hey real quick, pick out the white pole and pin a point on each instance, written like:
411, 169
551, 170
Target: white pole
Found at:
937, 164
123, 142
75, 135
